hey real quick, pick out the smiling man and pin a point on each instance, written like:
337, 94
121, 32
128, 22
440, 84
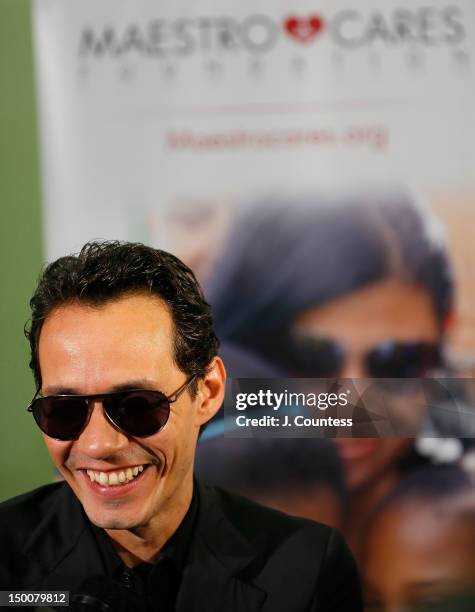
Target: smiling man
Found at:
125, 359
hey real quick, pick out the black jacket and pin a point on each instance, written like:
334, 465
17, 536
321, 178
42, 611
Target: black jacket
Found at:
243, 557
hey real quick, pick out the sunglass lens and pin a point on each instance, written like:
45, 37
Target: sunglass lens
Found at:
138, 413
399, 360
316, 357
62, 418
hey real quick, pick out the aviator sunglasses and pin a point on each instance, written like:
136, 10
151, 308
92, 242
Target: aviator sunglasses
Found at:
136, 412
320, 357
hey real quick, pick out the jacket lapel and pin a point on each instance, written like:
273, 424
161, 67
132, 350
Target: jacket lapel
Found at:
219, 554
213, 579
60, 545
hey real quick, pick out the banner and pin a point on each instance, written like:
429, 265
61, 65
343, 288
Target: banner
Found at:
159, 120
313, 163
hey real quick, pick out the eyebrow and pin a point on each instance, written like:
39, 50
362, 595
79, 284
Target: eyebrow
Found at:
127, 386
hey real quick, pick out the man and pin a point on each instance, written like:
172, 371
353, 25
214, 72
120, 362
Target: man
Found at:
125, 360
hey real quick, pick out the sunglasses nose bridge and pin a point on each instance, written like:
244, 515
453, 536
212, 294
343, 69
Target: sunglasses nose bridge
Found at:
353, 367
100, 436
90, 407
101, 402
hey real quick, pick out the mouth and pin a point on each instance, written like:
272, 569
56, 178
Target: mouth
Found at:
116, 482
355, 449
116, 478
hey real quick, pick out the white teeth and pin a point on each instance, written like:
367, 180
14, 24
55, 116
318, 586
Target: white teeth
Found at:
103, 479
115, 478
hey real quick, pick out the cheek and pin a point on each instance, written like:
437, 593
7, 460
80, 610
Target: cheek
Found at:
58, 451
392, 450
180, 444
174, 441
182, 427
387, 453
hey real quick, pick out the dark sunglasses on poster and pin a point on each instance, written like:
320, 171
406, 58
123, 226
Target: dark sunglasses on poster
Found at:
137, 412
320, 357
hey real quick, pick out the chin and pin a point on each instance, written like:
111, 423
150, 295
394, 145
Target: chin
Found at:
115, 522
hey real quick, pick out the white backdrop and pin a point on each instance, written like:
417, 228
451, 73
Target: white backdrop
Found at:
148, 108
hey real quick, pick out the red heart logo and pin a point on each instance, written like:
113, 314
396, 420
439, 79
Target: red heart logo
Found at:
304, 30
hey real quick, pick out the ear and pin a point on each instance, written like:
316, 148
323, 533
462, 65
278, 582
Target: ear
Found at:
210, 394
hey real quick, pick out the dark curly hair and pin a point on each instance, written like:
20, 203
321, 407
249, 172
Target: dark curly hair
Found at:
107, 270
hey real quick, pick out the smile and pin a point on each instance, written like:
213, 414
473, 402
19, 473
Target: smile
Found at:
114, 479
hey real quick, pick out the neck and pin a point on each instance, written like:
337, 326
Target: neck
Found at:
145, 543
361, 503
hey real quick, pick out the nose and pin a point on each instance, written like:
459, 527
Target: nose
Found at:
354, 368
100, 439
